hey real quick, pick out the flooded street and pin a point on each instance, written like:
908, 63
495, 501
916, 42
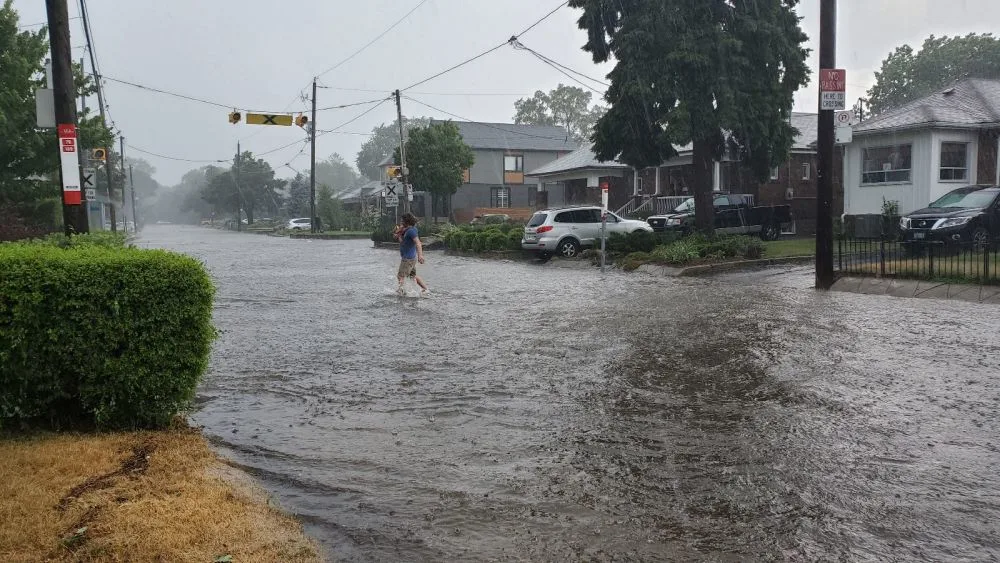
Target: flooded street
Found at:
538, 413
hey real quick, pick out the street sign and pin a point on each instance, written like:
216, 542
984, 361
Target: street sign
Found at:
604, 199
45, 108
832, 89
268, 119
844, 118
409, 192
89, 178
391, 200
843, 135
90, 194
69, 163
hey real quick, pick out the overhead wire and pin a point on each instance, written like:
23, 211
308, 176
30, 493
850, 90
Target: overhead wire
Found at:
485, 124
370, 43
37, 24
175, 158
521, 46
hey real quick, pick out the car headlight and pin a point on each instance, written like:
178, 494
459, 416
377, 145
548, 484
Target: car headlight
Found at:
673, 222
904, 223
953, 222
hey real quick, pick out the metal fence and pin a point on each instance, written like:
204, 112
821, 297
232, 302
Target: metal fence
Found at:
959, 262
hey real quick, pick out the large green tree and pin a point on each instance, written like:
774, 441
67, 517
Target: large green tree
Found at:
437, 157
568, 106
384, 142
720, 75
256, 190
336, 173
28, 153
907, 74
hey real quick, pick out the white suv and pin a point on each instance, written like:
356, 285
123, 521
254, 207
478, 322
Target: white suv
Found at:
299, 224
565, 231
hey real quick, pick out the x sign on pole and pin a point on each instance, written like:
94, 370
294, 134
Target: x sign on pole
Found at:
87, 180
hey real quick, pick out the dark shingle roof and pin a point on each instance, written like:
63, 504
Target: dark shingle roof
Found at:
969, 103
515, 137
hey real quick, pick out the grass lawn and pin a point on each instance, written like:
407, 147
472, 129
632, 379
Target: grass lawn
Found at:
790, 247
945, 268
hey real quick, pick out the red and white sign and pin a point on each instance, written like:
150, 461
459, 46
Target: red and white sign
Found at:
69, 163
832, 89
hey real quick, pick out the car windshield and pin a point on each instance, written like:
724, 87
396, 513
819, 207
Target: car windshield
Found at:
963, 199
537, 219
685, 207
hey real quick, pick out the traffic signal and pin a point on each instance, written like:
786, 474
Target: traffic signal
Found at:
301, 120
234, 117
394, 172
99, 154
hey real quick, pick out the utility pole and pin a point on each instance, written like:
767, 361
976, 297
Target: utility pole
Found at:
74, 215
239, 195
100, 106
402, 154
121, 139
131, 187
824, 175
312, 164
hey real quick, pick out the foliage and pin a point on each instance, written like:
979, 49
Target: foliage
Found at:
98, 239
492, 238
907, 74
383, 142
437, 156
257, 189
637, 241
116, 337
336, 173
696, 248
299, 191
568, 106
719, 75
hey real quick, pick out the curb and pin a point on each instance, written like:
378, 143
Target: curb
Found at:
702, 269
325, 236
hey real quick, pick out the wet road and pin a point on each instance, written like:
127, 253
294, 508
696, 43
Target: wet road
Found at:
529, 412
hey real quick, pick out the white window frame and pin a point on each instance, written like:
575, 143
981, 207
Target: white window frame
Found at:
806, 171
518, 163
775, 173
886, 171
941, 168
500, 197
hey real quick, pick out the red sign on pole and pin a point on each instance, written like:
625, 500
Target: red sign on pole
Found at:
69, 164
832, 89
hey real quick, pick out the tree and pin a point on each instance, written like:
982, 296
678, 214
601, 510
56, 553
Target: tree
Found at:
907, 75
719, 75
257, 189
568, 106
29, 153
383, 142
437, 158
297, 204
336, 173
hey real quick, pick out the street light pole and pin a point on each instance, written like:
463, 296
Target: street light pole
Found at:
824, 173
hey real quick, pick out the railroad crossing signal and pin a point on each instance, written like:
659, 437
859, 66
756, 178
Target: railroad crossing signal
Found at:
88, 178
268, 119
301, 120
99, 154
234, 117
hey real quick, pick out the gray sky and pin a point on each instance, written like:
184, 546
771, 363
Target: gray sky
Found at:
261, 54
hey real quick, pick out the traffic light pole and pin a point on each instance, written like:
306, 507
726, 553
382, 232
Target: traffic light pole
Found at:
74, 216
312, 164
402, 154
131, 188
825, 142
239, 198
121, 139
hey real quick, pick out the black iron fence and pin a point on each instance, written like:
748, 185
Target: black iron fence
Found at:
953, 261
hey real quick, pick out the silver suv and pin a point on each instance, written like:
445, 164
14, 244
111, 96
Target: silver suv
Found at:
564, 231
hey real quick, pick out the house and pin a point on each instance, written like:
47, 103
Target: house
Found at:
577, 177
504, 152
916, 153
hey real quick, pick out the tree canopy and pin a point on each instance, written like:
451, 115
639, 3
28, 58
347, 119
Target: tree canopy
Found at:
383, 142
437, 157
719, 75
336, 173
568, 106
907, 74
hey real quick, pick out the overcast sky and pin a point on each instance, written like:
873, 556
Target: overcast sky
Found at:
262, 54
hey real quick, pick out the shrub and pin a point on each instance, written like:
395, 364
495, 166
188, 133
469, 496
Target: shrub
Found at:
99, 239
88, 334
638, 241
383, 234
496, 240
479, 241
514, 239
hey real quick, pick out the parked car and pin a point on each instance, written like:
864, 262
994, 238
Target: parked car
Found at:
490, 219
565, 231
299, 224
970, 215
734, 214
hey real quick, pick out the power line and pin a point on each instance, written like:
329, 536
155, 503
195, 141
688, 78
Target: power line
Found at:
370, 43
521, 46
372, 90
321, 133
567, 75
176, 158
488, 51
489, 125
22, 26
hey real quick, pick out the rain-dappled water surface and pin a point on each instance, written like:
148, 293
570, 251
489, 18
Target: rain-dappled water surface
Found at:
531, 412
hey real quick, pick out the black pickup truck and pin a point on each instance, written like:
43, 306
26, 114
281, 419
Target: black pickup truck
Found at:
733, 215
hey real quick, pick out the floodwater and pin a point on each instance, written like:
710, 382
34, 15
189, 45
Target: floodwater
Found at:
538, 413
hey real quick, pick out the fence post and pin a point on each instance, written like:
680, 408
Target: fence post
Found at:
840, 253
930, 260
986, 265
881, 256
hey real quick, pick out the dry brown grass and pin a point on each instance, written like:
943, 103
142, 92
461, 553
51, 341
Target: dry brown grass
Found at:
142, 496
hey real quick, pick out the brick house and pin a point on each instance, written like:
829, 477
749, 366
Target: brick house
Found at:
918, 152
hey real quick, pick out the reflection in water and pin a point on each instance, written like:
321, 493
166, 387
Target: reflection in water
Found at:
536, 413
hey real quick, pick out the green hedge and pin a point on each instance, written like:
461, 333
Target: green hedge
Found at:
116, 337
494, 238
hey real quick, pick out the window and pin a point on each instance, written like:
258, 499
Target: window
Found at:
513, 169
467, 176
537, 220
588, 215
720, 201
774, 174
882, 165
806, 170
500, 198
566, 217
954, 162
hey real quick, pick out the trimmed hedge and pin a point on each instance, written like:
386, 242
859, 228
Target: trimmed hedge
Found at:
493, 238
92, 334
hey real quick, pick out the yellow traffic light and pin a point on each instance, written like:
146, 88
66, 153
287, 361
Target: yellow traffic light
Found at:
99, 154
394, 172
234, 117
301, 120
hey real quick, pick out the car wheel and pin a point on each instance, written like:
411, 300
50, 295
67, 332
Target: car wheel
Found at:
770, 231
568, 248
980, 238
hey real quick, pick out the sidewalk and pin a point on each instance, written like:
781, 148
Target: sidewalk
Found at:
920, 289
